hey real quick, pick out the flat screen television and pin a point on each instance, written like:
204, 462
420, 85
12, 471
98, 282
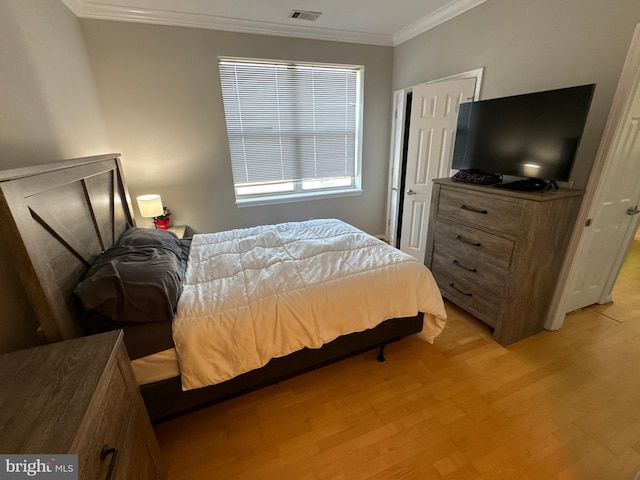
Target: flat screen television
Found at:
533, 136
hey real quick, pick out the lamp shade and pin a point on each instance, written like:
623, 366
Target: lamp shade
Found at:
150, 205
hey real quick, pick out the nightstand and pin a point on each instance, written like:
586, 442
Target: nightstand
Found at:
78, 397
179, 230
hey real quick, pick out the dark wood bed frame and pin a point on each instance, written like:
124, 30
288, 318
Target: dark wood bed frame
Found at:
57, 218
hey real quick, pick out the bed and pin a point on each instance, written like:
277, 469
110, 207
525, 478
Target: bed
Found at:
61, 220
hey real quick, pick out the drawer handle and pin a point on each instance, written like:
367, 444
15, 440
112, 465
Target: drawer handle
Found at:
467, 241
453, 285
473, 209
106, 451
468, 269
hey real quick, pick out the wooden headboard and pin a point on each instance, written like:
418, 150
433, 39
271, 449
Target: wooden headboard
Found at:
56, 219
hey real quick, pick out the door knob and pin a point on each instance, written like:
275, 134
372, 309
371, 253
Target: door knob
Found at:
410, 192
633, 210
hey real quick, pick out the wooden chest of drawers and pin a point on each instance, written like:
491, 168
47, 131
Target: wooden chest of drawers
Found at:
498, 253
79, 397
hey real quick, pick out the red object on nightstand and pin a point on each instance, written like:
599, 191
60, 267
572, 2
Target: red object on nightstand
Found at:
162, 224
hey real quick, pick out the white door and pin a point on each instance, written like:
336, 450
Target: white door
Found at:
598, 250
434, 115
613, 216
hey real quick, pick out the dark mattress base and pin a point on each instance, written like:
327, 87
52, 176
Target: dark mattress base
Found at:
165, 399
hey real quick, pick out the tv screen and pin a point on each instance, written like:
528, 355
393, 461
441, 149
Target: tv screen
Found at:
534, 135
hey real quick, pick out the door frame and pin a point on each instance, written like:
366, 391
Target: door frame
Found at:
394, 192
397, 143
627, 84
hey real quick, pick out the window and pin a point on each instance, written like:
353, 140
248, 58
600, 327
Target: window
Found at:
294, 129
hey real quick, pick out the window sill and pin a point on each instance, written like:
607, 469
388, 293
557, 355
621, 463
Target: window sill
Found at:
299, 197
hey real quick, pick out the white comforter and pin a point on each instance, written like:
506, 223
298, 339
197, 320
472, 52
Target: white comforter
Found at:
254, 294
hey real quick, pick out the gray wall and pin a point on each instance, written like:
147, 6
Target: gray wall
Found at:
530, 45
160, 91
49, 111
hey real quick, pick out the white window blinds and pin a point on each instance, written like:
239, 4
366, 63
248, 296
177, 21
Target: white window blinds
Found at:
292, 128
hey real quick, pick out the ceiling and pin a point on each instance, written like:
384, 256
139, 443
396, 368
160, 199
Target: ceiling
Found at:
375, 22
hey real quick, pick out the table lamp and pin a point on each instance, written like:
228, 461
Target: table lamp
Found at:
150, 206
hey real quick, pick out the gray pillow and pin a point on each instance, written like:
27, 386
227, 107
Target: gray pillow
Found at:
131, 283
153, 237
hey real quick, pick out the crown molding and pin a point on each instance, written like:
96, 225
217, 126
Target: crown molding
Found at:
164, 17
74, 5
88, 9
440, 16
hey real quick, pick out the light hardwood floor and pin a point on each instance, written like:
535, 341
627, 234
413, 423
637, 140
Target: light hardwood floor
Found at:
559, 405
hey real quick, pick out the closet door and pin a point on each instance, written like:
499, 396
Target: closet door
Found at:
434, 115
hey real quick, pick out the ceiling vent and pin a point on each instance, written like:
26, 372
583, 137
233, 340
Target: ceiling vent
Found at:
305, 15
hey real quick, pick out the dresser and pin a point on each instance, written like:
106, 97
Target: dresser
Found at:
497, 253
78, 397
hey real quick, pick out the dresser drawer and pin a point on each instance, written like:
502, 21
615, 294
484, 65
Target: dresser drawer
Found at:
479, 301
468, 268
483, 210
103, 425
467, 242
